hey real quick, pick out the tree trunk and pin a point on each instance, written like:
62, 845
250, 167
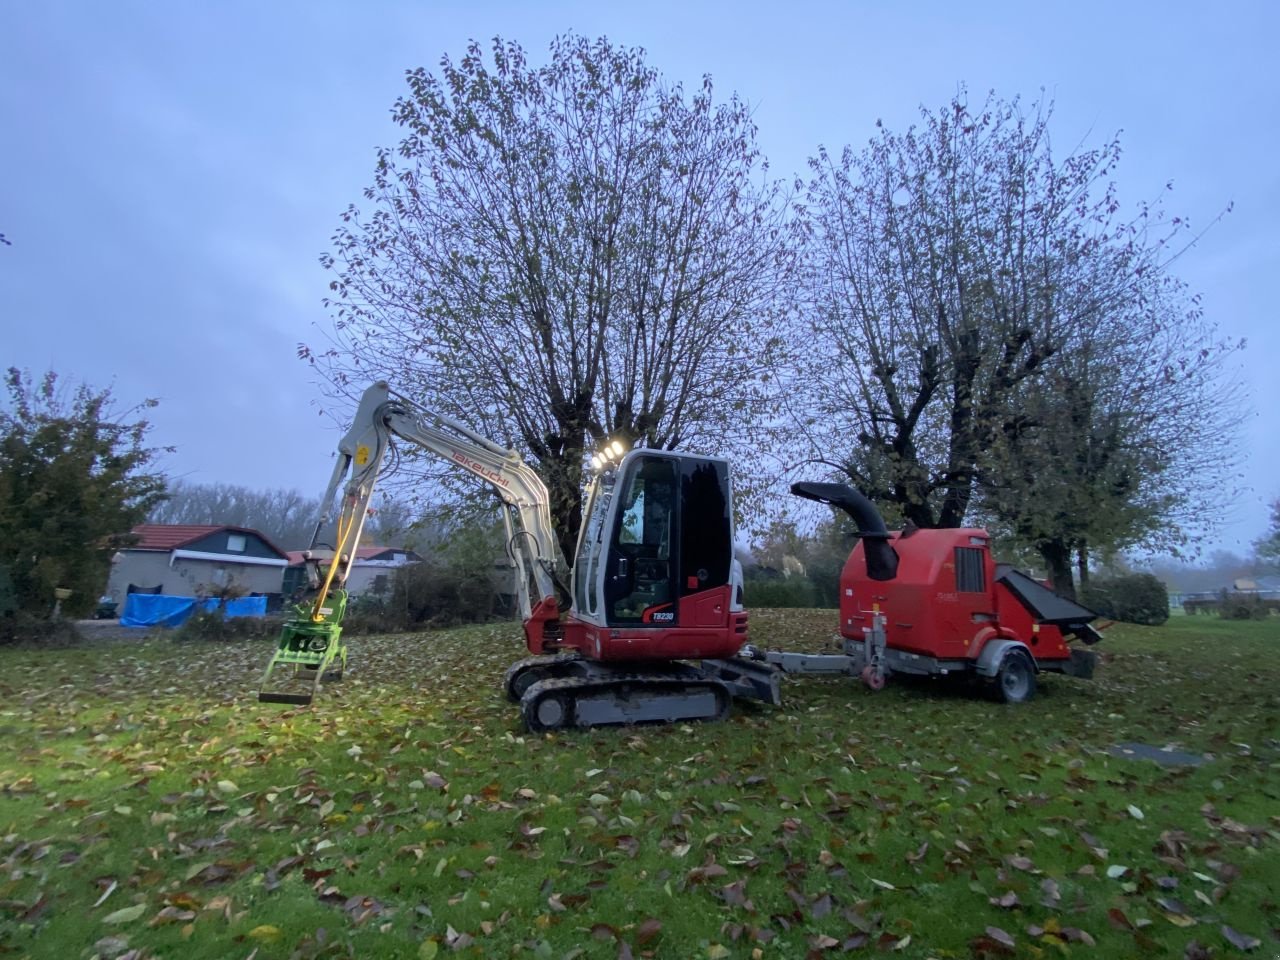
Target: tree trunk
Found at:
1057, 557
1082, 565
564, 491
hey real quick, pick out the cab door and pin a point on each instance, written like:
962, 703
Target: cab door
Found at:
641, 572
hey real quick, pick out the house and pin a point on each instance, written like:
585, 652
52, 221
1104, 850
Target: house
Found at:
370, 573
187, 560
1266, 587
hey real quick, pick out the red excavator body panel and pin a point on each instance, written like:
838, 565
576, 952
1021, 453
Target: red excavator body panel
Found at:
704, 626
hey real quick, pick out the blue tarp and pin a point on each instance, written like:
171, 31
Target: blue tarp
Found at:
158, 610
246, 607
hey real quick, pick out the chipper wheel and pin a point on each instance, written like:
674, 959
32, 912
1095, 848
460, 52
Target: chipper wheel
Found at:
1016, 679
873, 678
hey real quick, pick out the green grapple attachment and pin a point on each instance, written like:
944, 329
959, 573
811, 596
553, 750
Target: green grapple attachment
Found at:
310, 642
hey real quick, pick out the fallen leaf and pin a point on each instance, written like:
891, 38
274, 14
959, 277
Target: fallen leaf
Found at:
110, 890
267, 933
1118, 919
1000, 937
1241, 941
1076, 935
171, 914
648, 930
111, 946
1050, 895
126, 914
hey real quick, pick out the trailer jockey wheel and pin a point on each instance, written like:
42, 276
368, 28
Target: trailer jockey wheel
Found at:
872, 678
1016, 680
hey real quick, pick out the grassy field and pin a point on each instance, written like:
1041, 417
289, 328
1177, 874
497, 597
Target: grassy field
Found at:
150, 807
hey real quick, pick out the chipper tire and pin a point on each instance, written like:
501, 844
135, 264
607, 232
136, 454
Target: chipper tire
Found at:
1016, 679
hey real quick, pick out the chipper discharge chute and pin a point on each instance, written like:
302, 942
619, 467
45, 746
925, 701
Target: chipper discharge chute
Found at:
310, 643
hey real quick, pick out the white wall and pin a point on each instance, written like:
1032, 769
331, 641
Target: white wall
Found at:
187, 577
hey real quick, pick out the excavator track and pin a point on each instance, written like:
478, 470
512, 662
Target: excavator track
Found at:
523, 674
582, 702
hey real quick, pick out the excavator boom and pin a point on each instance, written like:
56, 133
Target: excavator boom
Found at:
310, 641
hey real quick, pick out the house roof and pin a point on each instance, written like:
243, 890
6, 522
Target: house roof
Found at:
172, 536
1256, 583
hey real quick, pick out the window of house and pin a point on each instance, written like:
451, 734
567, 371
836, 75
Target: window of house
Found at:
235, 543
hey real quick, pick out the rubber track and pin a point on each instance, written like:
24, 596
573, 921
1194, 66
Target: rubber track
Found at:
633, 682
542, 660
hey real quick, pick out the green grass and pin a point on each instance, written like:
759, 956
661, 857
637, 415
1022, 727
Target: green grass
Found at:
408, 809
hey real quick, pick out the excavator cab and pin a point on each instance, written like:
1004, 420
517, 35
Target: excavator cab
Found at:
657, 620
656, 546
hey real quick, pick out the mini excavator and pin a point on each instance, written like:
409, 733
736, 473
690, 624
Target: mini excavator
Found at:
650, 626
653, 620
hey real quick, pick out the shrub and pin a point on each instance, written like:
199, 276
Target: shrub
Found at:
8, 596
366, 619
28, 629
1243, 606
776, 592
440, 595
1134, 598
212, 625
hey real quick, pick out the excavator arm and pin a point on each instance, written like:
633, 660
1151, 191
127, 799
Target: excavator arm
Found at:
362, 455
310, 642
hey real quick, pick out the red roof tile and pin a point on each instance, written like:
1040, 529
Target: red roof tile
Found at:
171, 536
167, 536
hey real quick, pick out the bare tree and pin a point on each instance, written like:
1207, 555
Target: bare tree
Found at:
285, 516
1267, 547
565, 254
967, 288
1127, 440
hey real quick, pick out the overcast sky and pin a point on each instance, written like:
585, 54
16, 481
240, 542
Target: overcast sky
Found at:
170, 172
